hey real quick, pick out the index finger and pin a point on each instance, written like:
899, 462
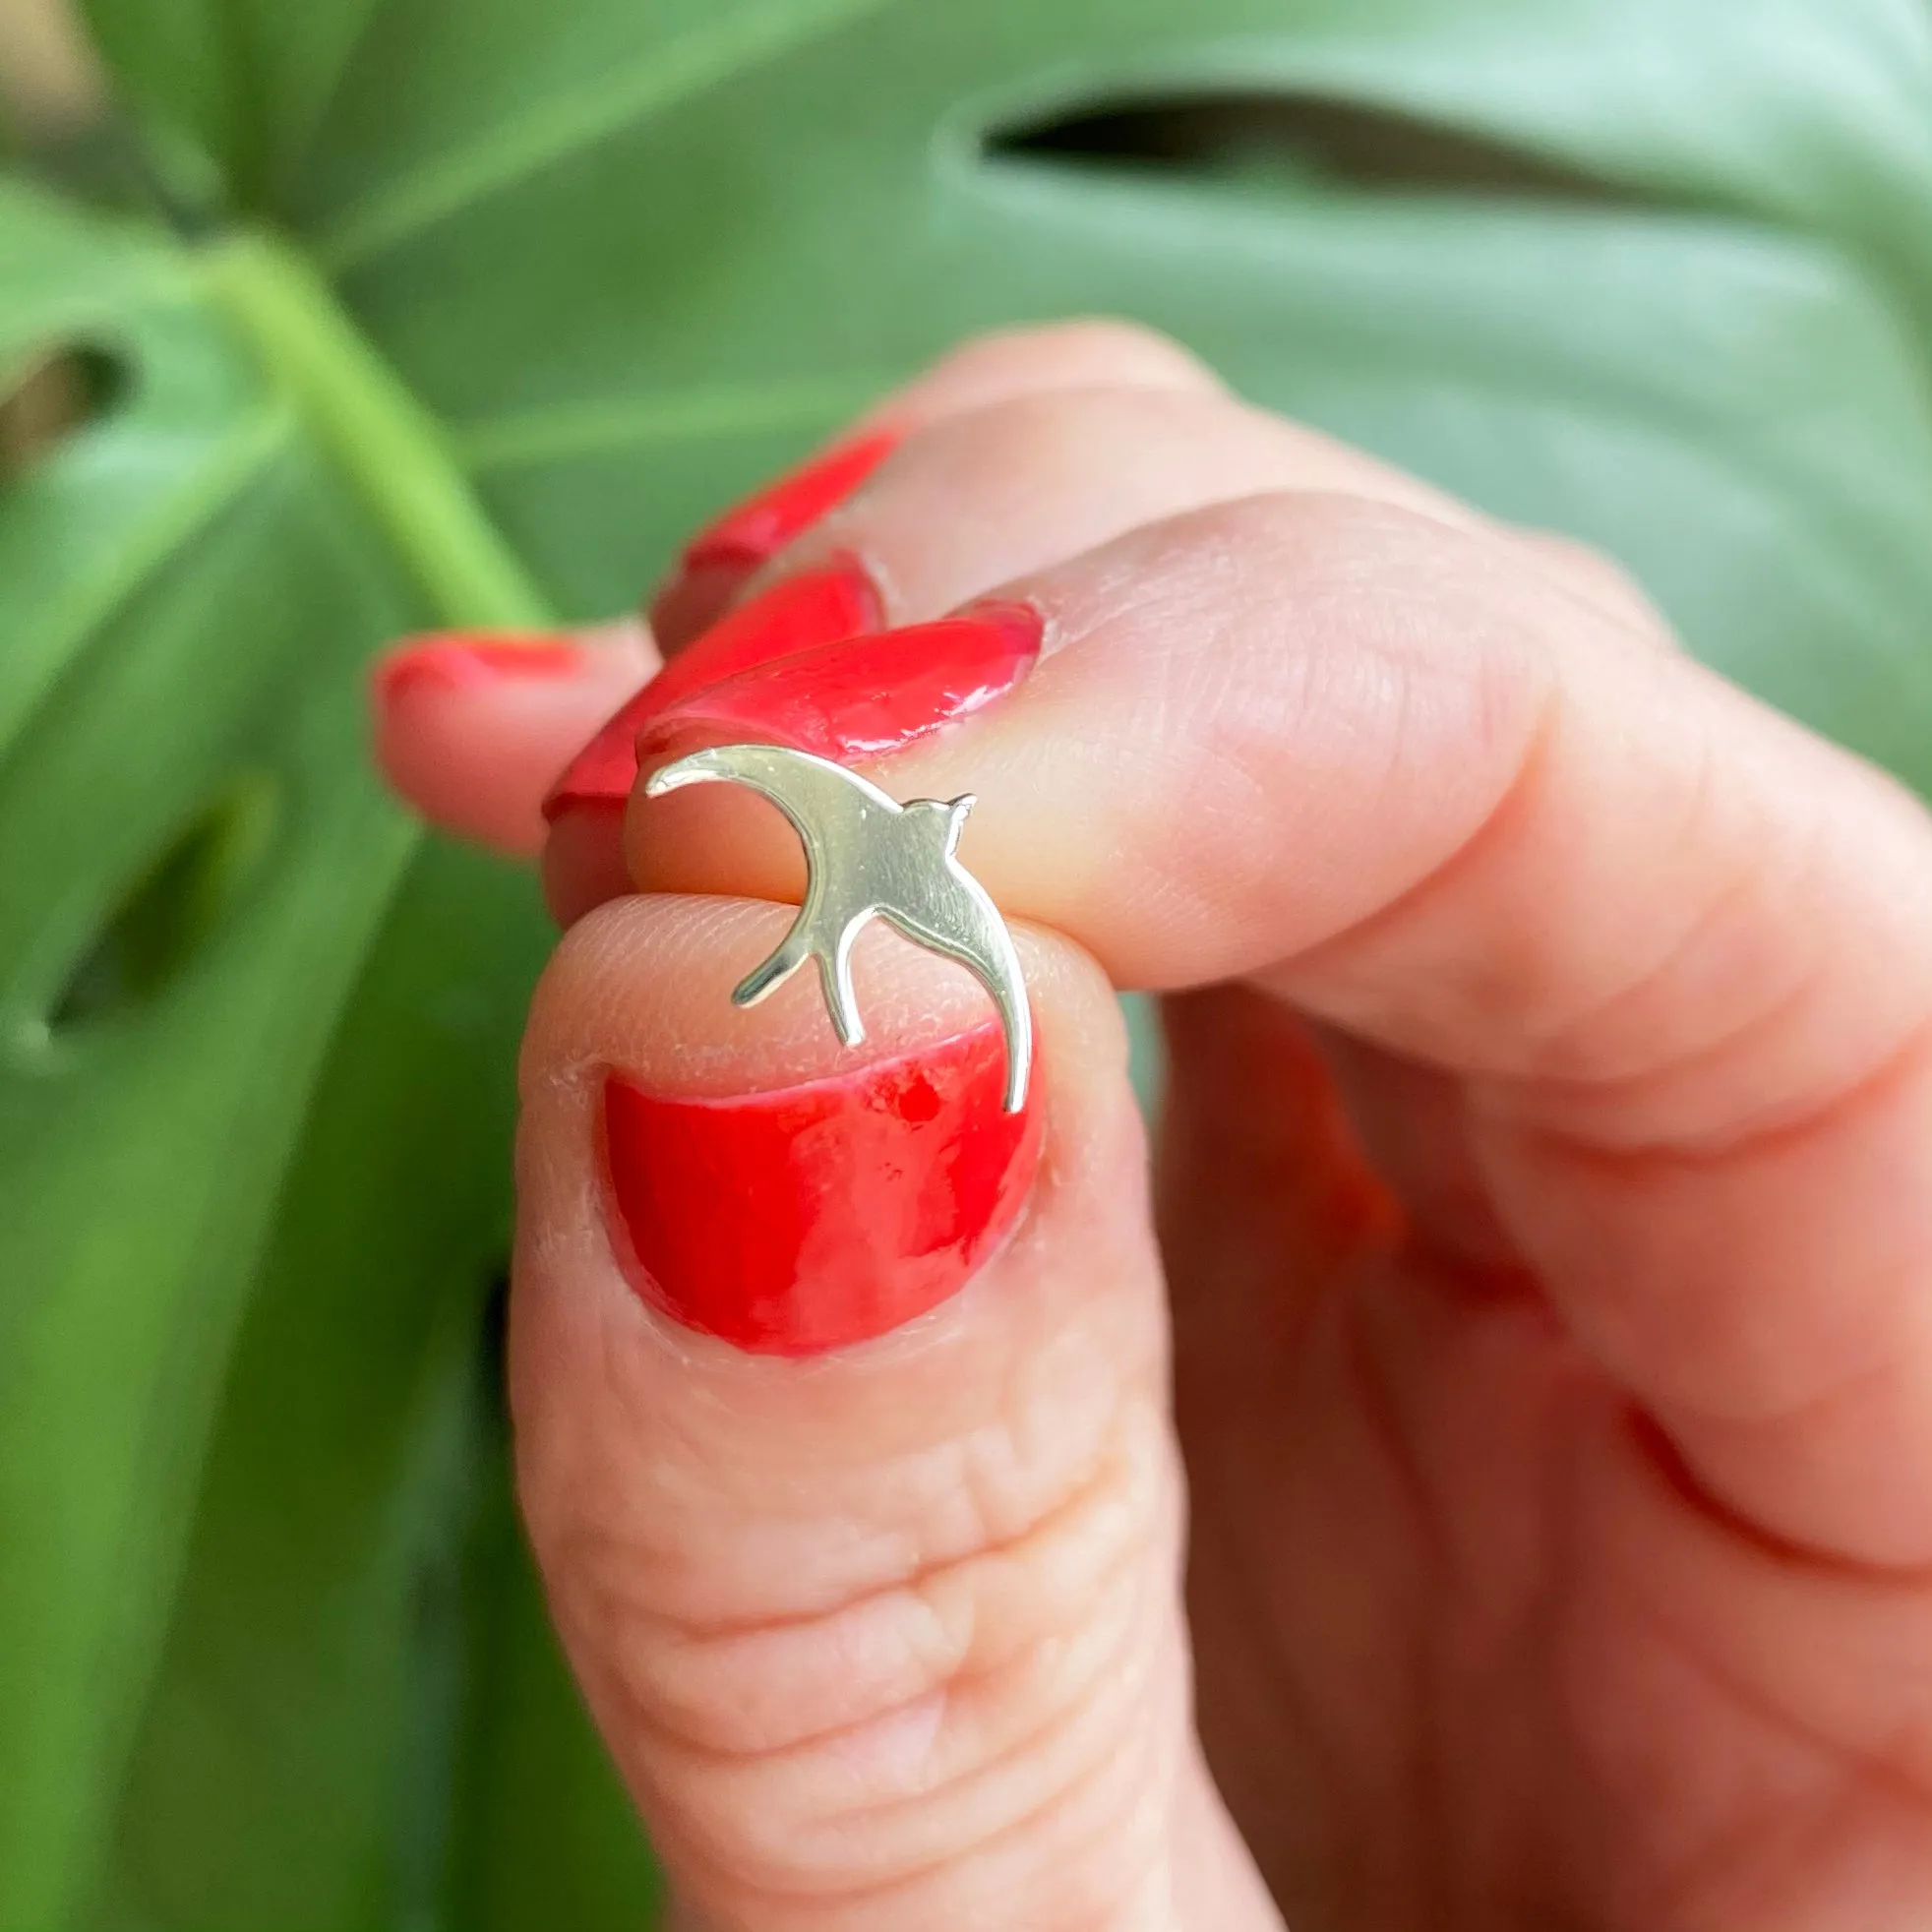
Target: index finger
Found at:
1678, 949
473, 729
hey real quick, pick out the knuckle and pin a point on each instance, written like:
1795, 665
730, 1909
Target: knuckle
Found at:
1339, 548
850, 1748
1336, 525
1433, 602
1600, 579
1047, 438
1080, 1847
1078, 351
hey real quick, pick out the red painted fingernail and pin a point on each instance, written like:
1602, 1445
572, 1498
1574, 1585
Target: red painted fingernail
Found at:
763, 525
583, 863
455, 660
868, 695
726, 552
820, 1215
817, 607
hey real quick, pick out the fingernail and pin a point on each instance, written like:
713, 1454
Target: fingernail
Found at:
582, 865
868, 695
763, 524
454, 660
722, 555
814, 608
817, 1216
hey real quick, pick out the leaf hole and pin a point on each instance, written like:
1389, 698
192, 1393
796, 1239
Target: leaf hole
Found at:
1308, 139
52, 399
170, 911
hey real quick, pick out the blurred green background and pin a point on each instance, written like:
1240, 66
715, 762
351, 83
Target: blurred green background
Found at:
321, 323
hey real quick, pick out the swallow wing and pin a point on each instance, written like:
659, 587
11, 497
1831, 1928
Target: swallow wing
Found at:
831, 810
824, 802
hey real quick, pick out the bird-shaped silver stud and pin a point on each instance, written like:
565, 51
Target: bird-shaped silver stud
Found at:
869, 857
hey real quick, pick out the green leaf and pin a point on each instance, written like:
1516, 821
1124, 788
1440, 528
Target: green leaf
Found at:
1701, 347
485, 301
545, 1832
227, 94
239, 1323
315, 1664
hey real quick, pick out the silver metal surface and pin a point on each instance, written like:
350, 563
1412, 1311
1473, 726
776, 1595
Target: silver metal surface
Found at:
869, 857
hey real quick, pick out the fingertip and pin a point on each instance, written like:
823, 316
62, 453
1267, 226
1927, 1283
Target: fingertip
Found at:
692, 601
584, 860
645, 984
640, 991
437, 663
470, 728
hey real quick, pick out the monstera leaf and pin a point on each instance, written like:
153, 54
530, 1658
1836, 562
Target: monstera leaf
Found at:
459, 310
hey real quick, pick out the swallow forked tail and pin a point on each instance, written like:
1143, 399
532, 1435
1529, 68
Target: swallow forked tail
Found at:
834, 975
869, 857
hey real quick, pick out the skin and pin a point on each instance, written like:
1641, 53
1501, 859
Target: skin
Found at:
1528, 1314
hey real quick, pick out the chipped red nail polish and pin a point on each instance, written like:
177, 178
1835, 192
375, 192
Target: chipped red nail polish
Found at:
453, 660
820, 1215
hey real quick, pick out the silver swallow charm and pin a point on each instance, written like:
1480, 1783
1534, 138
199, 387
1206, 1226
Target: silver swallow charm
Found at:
869, 857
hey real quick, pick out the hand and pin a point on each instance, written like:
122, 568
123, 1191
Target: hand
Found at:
1538, 1289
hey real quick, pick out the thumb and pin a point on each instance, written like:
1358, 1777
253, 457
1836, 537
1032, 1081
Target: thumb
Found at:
842, 1439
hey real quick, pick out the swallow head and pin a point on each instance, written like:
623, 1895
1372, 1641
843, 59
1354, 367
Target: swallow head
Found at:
947, 817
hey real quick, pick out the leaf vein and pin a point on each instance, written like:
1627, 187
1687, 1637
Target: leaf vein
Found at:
553, 130
525, 439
